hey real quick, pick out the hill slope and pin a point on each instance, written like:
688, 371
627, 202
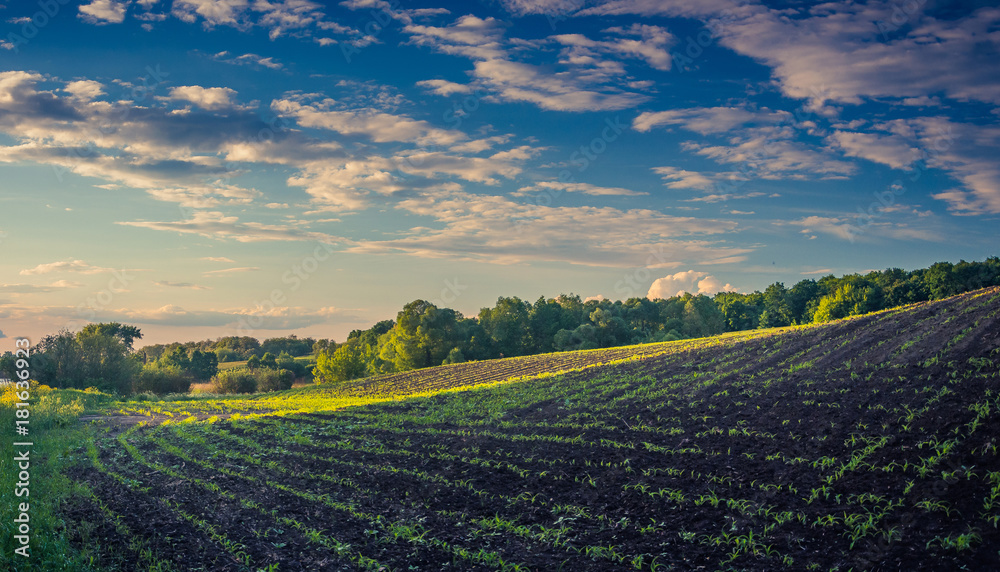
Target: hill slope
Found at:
866, 443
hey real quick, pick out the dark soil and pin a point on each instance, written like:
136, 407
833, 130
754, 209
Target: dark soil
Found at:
608, 468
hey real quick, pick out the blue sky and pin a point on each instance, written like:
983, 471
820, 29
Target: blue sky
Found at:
245, 167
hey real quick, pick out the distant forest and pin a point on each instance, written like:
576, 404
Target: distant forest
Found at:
424, 335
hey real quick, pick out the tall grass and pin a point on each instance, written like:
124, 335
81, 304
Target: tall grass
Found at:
58, 443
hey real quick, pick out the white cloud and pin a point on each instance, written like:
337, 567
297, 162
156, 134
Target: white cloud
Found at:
588, 81
210, 98
652, 46
839, 227
707, 120
584, 188
445, 88
248, 60
238, 270
214, 12
37, 289
497, 230
77, 266
86, 90
890, 150
380, 127
681, 179
104, 12
217, 259
688, 281
216, 225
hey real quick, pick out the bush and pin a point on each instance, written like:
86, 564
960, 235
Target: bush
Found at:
162, 380
273, 379
236, 380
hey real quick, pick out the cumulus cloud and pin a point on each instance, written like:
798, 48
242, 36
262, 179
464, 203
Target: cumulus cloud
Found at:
103, 12
687, 281
210, 98
681, 179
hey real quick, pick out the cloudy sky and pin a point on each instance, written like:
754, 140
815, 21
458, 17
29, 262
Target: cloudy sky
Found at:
205, 168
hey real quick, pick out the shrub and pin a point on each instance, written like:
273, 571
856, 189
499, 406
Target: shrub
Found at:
162, 380
274, 379
235, 380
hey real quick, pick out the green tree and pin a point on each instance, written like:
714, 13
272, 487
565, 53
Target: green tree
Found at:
701, 317
776, 312
854, 296
105, 359
342, 364
203, 365
508, 325
267, 360
422, 337
57, 361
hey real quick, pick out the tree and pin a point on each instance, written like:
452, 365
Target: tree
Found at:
203, 365
776, 312
508, 325
855, 296
422, 337
584, 337
345, 363
701, 317
545, 320
178, 358
57, 361
286, 361
267, 360
105, 358
253, 362
127, 334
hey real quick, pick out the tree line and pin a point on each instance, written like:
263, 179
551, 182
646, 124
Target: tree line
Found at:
424, 335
